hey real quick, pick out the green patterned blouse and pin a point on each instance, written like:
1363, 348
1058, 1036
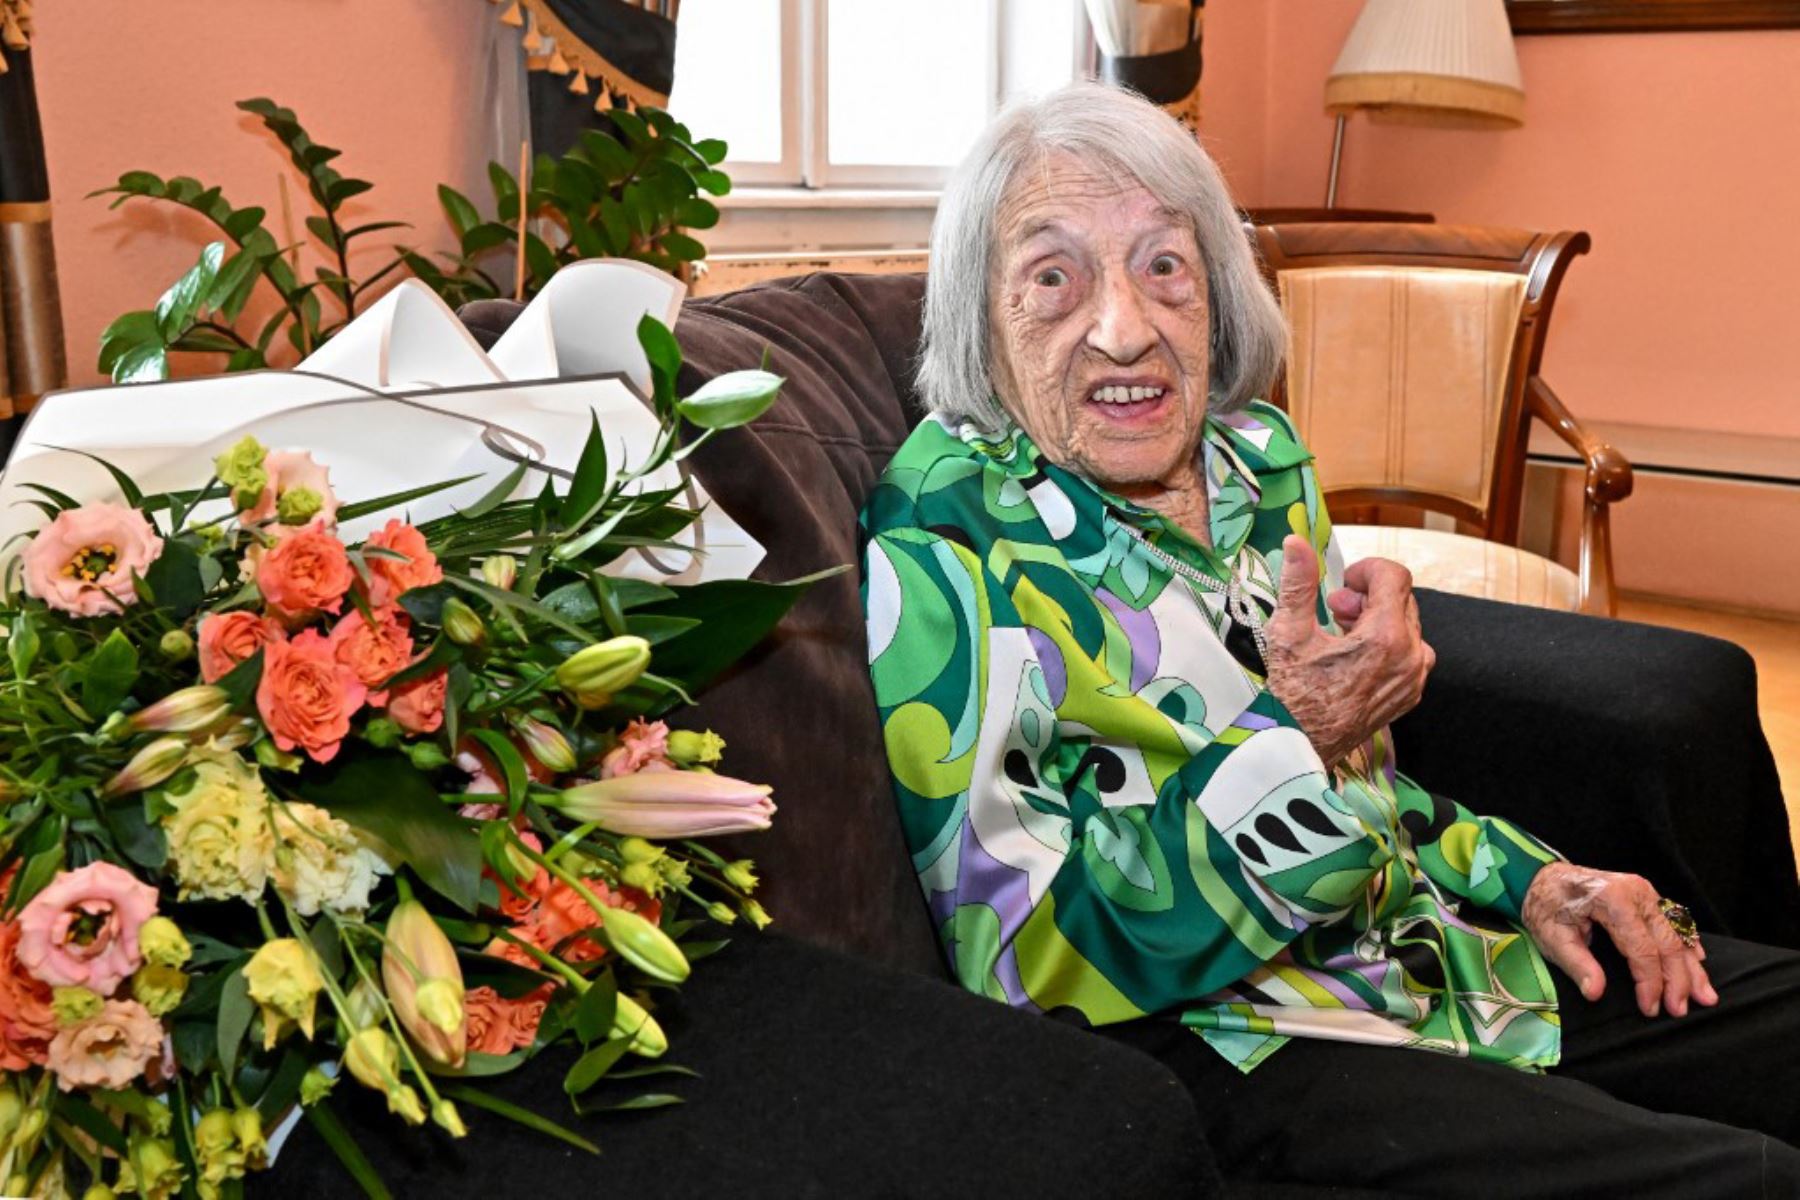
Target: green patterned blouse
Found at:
1109, 813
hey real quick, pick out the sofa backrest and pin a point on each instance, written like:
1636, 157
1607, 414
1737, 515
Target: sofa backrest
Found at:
798, 713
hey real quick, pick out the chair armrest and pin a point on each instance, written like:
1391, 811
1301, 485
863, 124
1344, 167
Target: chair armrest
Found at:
1625, 746
820, 1075
1608, 471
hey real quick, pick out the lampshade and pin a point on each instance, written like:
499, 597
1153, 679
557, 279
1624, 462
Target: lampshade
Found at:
1433, 58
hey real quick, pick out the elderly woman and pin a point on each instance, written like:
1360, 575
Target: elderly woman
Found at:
1141, 756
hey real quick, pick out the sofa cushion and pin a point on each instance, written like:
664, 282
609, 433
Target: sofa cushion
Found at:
798, 713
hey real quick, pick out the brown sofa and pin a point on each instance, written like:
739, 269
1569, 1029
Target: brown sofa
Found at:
838, 1059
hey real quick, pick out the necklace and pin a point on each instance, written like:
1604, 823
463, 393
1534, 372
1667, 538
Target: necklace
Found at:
1240, 606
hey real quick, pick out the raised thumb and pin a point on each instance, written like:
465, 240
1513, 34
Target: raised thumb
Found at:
1299, 596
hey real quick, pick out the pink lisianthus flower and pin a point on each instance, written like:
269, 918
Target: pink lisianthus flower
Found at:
643, 746
109, 1049
83, 561
82, 930
289, 471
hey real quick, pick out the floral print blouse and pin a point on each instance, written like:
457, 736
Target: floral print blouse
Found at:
1111, 816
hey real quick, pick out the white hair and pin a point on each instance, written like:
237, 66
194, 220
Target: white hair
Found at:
1118, 132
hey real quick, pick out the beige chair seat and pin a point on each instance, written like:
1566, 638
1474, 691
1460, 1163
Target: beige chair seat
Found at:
1468, 566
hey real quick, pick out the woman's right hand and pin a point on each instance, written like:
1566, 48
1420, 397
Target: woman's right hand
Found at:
1343, 689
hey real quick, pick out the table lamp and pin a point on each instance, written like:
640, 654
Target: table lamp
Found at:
1433, 61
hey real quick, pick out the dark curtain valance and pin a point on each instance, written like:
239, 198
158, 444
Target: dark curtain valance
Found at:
589, 56
32, 360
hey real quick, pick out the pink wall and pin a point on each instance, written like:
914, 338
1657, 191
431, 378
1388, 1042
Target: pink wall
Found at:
1678, 153
124, 84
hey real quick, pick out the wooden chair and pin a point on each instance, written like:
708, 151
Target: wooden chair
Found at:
1413, 374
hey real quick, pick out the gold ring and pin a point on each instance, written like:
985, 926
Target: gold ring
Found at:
1682, 921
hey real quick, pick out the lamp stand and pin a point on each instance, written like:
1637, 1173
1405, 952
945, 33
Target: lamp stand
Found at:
1337, 154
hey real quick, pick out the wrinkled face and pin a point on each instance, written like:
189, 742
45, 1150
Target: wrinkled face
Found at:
1099, 325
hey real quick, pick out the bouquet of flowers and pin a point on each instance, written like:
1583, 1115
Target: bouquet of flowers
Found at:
281, 812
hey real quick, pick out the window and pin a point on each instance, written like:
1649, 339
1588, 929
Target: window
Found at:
862, 93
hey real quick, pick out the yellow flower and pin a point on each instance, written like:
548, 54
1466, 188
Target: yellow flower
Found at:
216, 1150
315, 1085
693, 748
741, 875
320, 863
219, 835
151, 1169
756, 914
161, 941
73, 1005
246, 1124
285, 985
158, 988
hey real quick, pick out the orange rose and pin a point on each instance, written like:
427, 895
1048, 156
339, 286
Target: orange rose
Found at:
306, 573
26, 1022
375, 652
388, 577
500, 1026
227, 639
307, 696
417, 705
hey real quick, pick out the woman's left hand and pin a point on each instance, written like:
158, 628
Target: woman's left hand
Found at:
1564, 904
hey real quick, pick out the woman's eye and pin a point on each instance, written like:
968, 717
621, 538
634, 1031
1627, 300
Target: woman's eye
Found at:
1052, 277
1165, 264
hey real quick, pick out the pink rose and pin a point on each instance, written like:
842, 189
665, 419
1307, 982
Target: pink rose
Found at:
307, 696
227, 639
388, 577
500, 1026
288, 470
82, 562
375, 652
417, 706
82, 930
109, 1049
305, 573
643, 746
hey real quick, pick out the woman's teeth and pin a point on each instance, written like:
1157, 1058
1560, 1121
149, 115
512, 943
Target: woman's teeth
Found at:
1126, 395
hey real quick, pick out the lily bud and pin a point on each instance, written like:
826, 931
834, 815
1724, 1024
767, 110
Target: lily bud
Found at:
644, 946
637, 850
177, 645
593, 674
416, 956
11, 1110
721, 912
190, 710
500, 570
445, 1114
426, 756
403, 1102
31, 1125
670, 804
693, 749
148, 767
363, 1005
462, 624
236, 735
631, 1020
373, 1060
546, 744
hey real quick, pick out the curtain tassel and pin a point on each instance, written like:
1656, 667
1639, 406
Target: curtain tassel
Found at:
579, 84
534, 41
558, 65
512, 16
603, 101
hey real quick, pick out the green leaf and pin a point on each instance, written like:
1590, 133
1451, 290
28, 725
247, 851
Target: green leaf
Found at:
595, 1011
715, 181
681, 247
713, 150
348, 1152
375, 227
22, 644
523, 604
477, 1065
386, 798
539, 258
363, 508
733, 399
180, 305
463, 215
634, 128
506, 756
657, 1068
657, 630
140, 839
735, 615
591, 477
695, 213
591, 1067
340, 190
109, 674
664, 354
486, 236
175, 579
496, 496
91, 1121
647, 1100
235, 1011
241, 681
512, 1112
242, 222
235, 281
